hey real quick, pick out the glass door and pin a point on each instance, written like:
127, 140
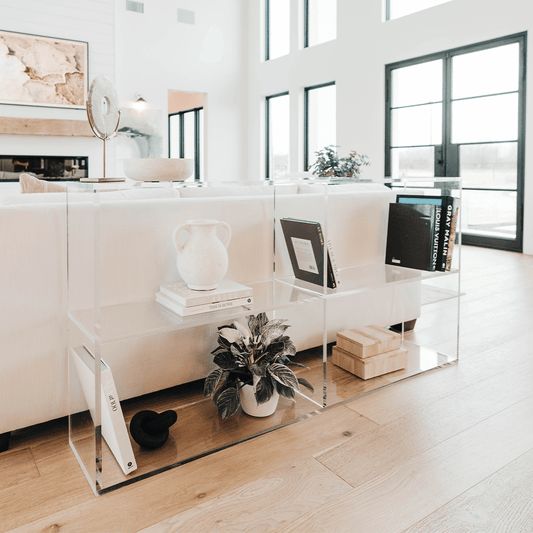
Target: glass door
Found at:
475, 97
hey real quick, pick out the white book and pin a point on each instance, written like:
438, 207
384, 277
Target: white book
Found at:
227, 290
181, 310
114, 428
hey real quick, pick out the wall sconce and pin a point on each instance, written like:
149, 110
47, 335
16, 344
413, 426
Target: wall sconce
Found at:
140, 103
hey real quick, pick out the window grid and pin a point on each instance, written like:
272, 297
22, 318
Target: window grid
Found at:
197, 114
307, 92
447, 155
268, 144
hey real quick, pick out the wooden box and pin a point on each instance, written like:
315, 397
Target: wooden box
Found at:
370, 367
368, 341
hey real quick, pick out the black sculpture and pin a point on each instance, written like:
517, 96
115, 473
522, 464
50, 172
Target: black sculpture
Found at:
150, 429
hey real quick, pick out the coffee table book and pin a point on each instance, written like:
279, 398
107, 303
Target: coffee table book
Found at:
192, 310
368, 341
185, 297
370, 367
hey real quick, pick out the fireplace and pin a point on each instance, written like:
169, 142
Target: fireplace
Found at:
46, 167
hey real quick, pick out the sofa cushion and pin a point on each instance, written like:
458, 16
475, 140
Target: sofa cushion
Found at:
31, 184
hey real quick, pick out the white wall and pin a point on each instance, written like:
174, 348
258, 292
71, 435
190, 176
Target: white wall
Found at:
83, 20
356, 62
155, 54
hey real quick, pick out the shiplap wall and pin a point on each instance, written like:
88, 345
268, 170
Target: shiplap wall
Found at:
83, 20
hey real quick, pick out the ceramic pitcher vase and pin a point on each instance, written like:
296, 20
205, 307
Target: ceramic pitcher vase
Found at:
202, 252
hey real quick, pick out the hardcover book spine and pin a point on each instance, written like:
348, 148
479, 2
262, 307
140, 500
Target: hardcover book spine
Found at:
117, 434
204, 299
205, 308
448, 218
332, 263
435, 257
331, 281
451, 245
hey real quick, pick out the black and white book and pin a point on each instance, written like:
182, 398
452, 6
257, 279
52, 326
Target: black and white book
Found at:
410, 236
114, 428
444, 212
305, 244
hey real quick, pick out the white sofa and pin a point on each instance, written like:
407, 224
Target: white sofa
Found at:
137, 255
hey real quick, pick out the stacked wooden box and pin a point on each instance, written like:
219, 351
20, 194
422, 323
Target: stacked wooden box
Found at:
369, 351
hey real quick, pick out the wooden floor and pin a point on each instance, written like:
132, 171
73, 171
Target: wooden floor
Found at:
450, 450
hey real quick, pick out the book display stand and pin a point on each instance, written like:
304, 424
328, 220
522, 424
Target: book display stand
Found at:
309, 254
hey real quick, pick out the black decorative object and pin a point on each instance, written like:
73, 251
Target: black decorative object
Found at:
150, 429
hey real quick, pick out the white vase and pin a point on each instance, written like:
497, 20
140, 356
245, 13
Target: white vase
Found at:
249, 403
202, 254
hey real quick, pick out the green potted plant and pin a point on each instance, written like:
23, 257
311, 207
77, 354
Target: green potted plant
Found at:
253, 362
329, 164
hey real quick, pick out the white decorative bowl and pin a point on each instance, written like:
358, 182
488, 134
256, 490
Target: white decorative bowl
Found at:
163, 169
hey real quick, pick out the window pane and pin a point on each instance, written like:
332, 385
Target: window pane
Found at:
279, 129
419, 125
489, 213
491, 71
189, 134
417, 84
322, 119
400, 8
322, 21
279, 41
413, 162
490, 118
489, 165
174, 137
202, 147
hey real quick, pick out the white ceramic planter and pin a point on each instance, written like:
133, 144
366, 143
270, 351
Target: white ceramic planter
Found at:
202, 256
251, 407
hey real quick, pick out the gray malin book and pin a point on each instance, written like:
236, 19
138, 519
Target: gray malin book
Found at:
114, 428
184, 297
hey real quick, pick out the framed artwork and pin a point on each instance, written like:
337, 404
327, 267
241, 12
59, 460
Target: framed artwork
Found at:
42, 71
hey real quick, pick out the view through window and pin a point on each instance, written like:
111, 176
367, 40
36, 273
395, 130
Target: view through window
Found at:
450, 115
320, 128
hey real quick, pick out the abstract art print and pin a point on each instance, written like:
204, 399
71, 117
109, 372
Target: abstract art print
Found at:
42, 71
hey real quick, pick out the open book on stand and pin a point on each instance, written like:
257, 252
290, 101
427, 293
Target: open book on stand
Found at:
305, 244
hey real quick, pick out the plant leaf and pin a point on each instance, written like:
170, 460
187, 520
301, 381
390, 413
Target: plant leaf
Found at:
228, 402
264, 390
212, 381
283, 375
231, 334
288, 392
225, 360
305, 383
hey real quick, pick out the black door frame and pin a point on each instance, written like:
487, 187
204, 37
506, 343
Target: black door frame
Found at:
447, 161
197, 144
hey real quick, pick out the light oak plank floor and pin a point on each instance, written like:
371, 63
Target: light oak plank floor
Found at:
450, 450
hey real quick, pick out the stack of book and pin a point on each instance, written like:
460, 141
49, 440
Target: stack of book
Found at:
369, 351
183, 301
421, 232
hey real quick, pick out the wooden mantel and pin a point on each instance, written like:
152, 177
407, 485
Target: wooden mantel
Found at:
44, 126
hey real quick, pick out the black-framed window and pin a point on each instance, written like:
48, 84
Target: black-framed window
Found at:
400, 8
320, 120
320, 21
461, 113
186, 137
277, 28
277, 134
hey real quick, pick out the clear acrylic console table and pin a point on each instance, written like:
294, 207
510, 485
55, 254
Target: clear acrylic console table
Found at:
120, 250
